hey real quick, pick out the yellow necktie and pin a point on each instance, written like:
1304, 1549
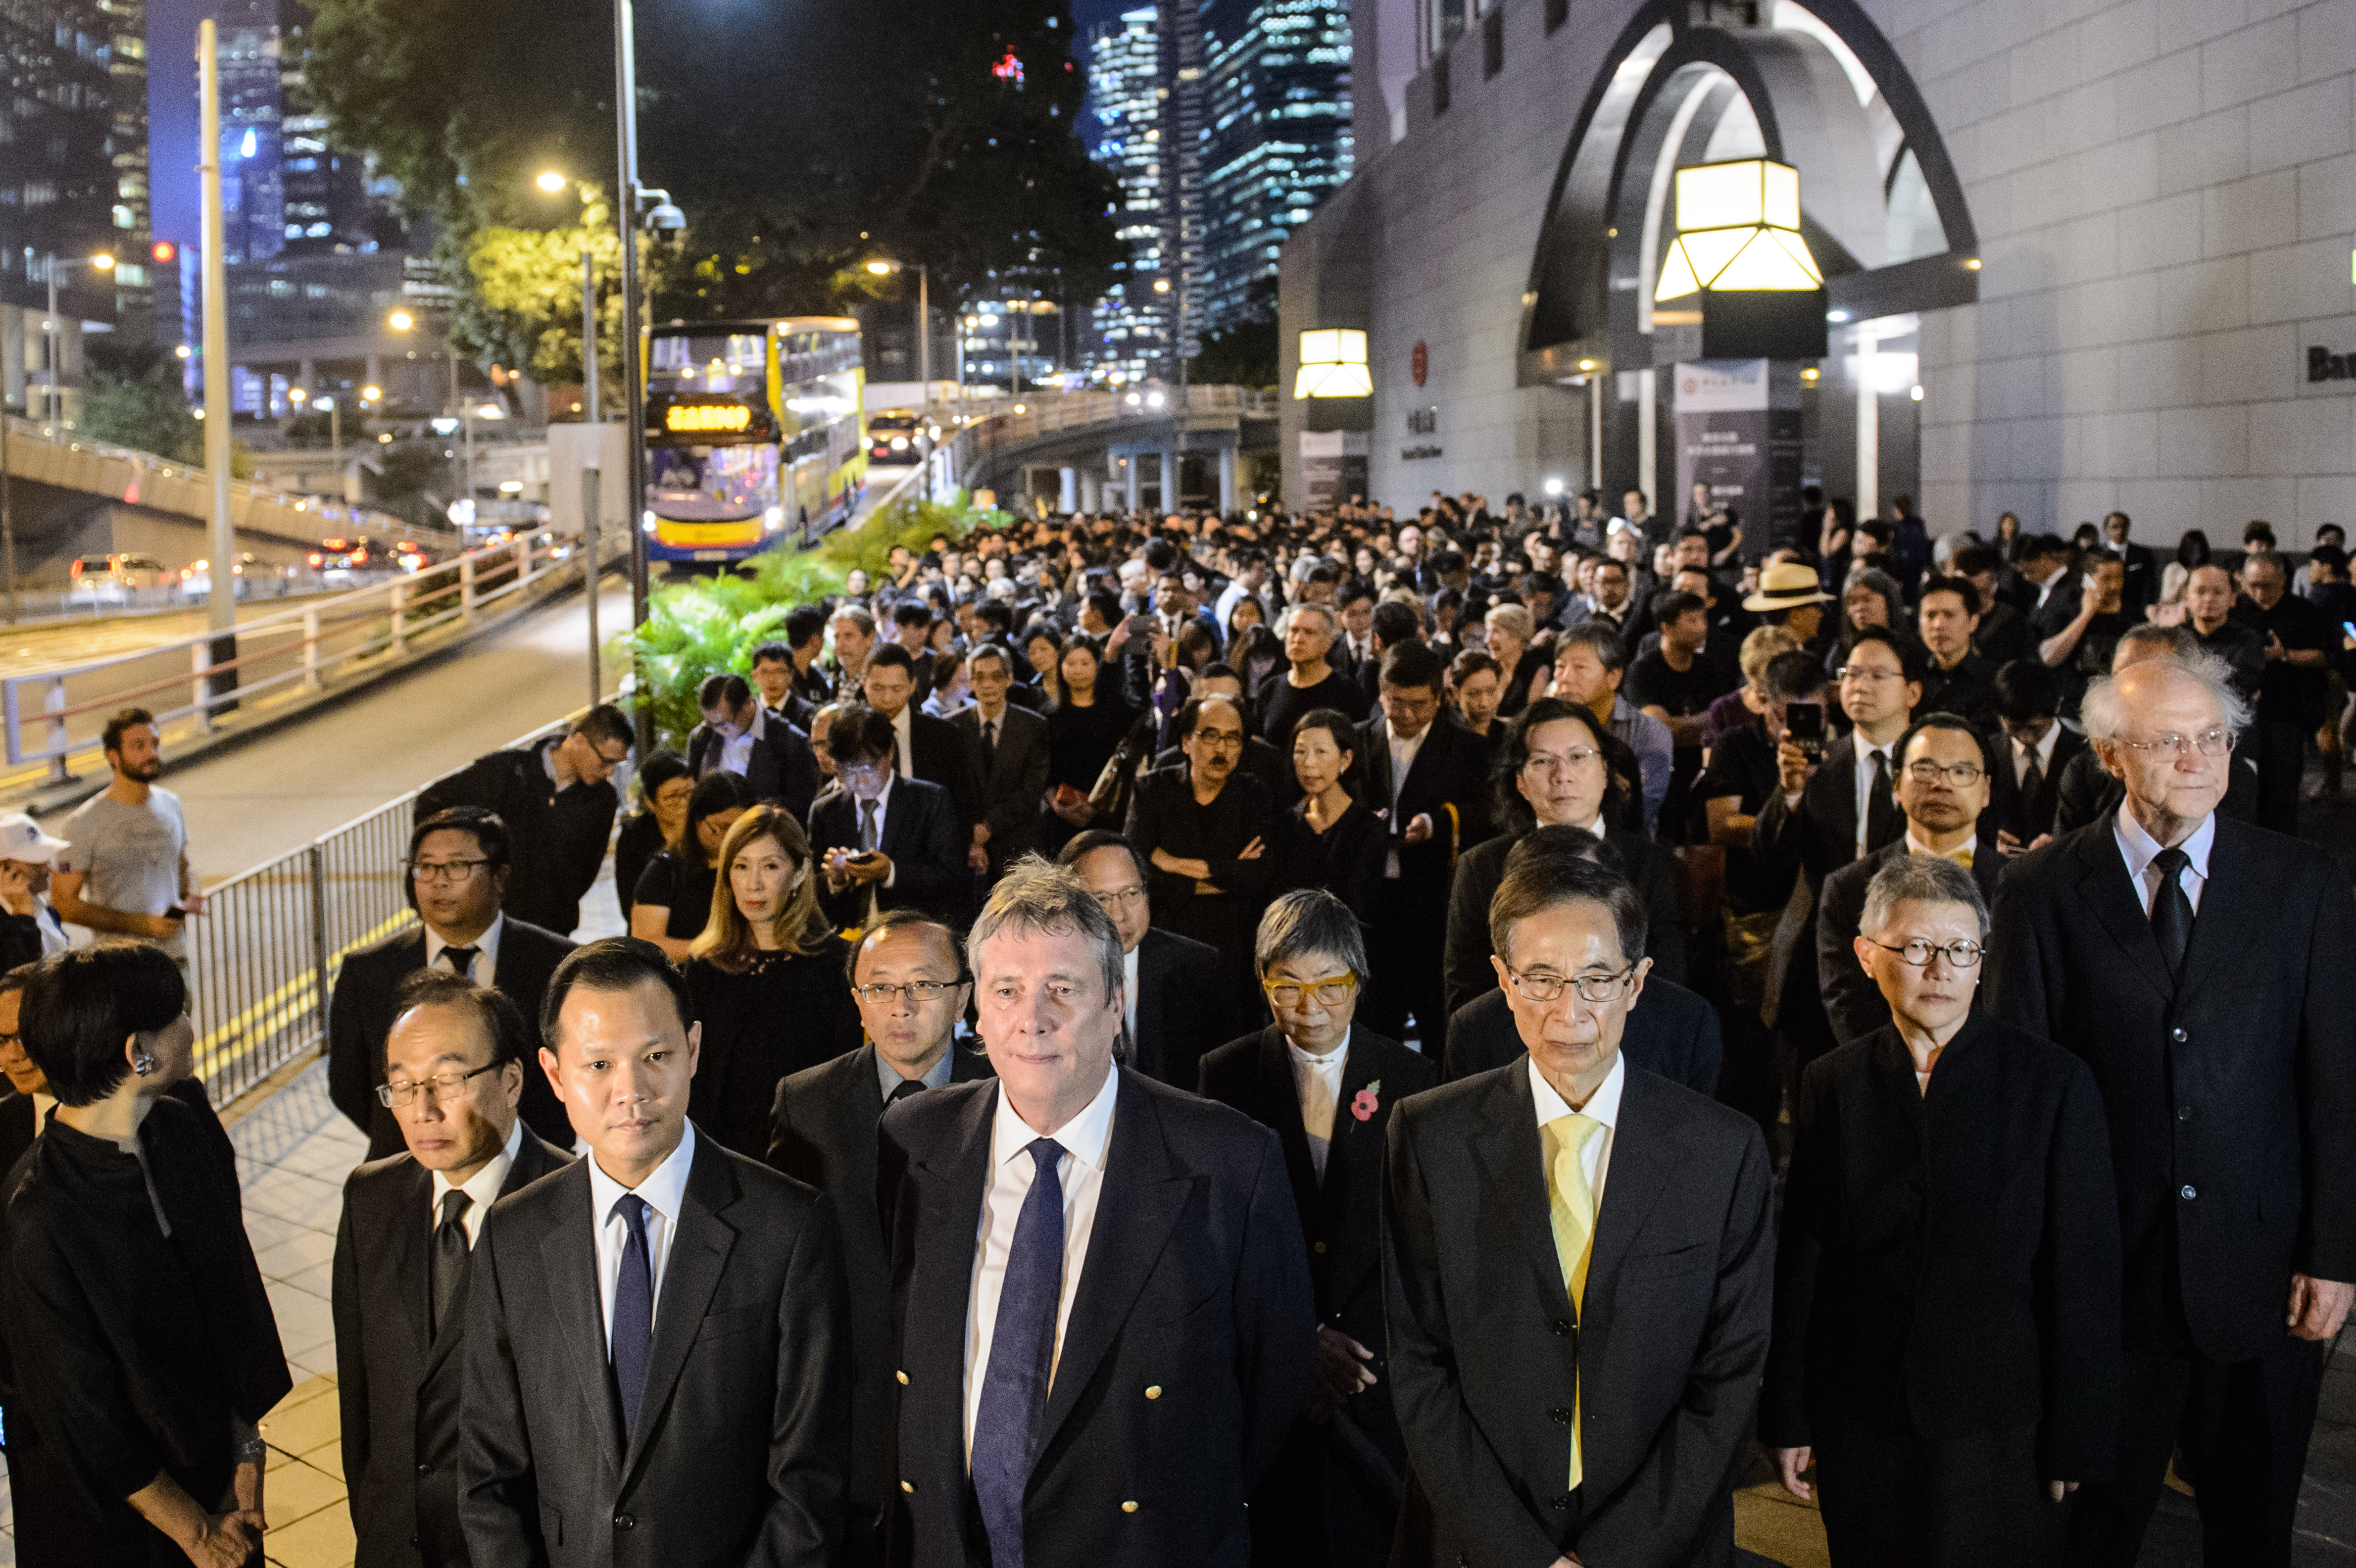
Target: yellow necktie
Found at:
1962, 857
1570, 1206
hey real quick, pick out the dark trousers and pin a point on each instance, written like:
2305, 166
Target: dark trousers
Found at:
1406, 939
2282, 762
2242, 1429
1899, 1501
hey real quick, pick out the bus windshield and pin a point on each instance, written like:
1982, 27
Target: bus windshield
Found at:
717, 362
712, 484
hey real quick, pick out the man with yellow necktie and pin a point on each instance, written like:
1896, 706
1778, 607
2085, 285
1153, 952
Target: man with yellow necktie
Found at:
1577, 1269
1944, 786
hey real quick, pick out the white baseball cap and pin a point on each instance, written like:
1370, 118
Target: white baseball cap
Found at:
21, 838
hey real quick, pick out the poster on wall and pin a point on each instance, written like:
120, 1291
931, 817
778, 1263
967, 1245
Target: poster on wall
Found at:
1333, 467
1733, 438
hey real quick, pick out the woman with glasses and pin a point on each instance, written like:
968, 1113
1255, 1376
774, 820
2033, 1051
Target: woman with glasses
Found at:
1554, 769
1325, 1087
1331, 841
663, 785
1946, 1330
766, 978
146, 1354
673, 896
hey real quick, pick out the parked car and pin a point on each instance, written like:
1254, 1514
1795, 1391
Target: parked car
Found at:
118, 579
342, 560
197, 576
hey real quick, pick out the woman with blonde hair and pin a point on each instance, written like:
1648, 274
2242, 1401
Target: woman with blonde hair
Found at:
767, 979
1735, 709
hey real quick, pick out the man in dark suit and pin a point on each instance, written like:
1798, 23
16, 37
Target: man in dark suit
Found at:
1578, 1268
1102, 1379
2143, 567
2036, 749
1271, 766
1942, 789
905, 974
1010, 746
1176, 1005
557, 797
1830, 814
1430, 777
924, 747
1325, 1086
457, 871
598, 1429
883, 842
2201, 968
456, 1067
1672, 1032
787, 673
739, 735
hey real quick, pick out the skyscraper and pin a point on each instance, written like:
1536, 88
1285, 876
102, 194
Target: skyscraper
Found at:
1130, 326
73, 154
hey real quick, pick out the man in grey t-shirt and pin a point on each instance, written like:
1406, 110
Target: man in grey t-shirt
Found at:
126, 872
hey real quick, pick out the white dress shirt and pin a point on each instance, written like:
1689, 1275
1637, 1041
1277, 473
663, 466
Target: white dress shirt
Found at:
1914, 845
483, 1187
735, 755
901, 733
2044, 750
1085, 1139
1866, 753
1603, 1105
486, 971
1129, 993
2139, 849
663, 1191
1317, 1083
1403, 754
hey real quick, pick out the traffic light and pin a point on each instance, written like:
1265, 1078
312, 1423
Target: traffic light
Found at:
163, 251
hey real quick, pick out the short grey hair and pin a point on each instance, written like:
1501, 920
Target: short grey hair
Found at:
2103, 712
1308, 921
1310, 606
1921, 879
1038, 895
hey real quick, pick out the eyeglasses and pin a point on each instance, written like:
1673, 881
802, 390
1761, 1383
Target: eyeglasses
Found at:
2207, 743
1962, 775
1960, 953
1866, 672
918, 992
1592, 988
1223, 740
440, 871
1574, 761
443, 1086
1330, 991
1114, 899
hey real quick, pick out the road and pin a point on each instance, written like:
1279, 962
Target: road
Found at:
37, 645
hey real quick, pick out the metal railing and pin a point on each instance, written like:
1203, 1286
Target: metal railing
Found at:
294, 653
1048, 414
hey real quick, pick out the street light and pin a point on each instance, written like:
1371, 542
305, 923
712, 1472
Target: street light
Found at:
335, 441
403, 321
101, 262
550, 181
882, 267
400, 321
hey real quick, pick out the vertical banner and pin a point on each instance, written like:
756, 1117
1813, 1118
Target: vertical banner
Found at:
1732, 438
1333, 467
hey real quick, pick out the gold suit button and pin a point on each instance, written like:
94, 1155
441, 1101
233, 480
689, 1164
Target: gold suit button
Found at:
1154, 1392
1129, 1507
903, 1377
908, 1486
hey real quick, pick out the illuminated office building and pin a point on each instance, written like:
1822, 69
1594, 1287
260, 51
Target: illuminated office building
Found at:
1129, 328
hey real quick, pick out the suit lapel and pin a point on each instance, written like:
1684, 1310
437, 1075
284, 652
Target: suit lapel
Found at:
1514, 1167
569, 1253
2104, 884
699, 1254
1353, 1167
410, 1259
1639, 1169
954, 1174
2230, 908
1837, 801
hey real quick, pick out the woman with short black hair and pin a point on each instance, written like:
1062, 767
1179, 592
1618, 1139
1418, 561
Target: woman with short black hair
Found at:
674, 893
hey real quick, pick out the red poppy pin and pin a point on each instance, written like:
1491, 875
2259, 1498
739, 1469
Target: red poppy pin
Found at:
1367, 1101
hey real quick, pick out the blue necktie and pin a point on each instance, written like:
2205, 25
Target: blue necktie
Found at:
1021, 1353
633, 1312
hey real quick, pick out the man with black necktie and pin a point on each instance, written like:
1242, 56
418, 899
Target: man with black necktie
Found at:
658, 1356
2200, 967
907, 975
2036, 749
455, 1065
1010, 745
739, 735
883, 840
932, 749
1175, 996
456, 872
1106, 1319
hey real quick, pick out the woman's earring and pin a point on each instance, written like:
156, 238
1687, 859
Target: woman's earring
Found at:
143, 1064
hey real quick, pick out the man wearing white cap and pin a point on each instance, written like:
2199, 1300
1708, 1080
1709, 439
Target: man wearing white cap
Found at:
29, 929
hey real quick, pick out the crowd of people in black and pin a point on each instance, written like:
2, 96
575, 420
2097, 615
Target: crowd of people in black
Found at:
1322, 1039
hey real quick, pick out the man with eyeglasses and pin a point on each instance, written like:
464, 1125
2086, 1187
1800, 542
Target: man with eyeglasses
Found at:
1325, 1085
2297, 643
2200, 967
908, 978
1174, 993
1568, 1393
556, 797
1204, 830
1827, 816
458, 868
882, 842
1943, 788
455, 1070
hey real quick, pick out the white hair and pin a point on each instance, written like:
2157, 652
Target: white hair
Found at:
2102, 711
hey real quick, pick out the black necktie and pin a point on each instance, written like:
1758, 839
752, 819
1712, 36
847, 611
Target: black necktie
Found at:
450, 1254
2172, 910
2033, 777
903, 1089
989, 747
1881, 810
461, 959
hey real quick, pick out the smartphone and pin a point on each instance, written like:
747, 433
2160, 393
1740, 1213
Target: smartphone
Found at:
1803, 726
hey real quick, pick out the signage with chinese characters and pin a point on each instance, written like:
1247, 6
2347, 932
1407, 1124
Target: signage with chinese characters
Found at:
2323, 365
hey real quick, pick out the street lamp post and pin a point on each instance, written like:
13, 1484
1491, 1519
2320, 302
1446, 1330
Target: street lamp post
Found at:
54, 375
634, 413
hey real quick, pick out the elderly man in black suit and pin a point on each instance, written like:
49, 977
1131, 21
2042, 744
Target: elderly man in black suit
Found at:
1577, 1269
1949, 1362
884, 841
908, 977
1106, 1322
457, 870
658, 1357
455, 1065
1325, 1087
1009, 747
741, 736
1175, 996
1943, 791
2200, 967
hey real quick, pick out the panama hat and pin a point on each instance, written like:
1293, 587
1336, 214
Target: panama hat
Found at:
1786, 586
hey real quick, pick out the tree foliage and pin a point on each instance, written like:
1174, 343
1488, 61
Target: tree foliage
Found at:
524, 308
134, 398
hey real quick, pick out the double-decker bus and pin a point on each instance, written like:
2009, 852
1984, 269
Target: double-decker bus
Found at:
753, 434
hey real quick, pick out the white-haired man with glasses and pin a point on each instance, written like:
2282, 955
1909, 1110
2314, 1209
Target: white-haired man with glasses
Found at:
1947, 1362
1325, 1086
1576, 1267
2200, 967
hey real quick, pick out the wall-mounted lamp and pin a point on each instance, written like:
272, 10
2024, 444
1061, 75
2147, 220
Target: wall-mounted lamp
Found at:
1333, 364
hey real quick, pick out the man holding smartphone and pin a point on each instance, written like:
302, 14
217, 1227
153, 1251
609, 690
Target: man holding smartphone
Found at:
126, 870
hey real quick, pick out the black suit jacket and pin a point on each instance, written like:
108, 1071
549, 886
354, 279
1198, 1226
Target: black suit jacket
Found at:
740, 1452
1653, 870
782, 770
1183, 1008
1183, 1360
1968, 690
1818, 836
398, 1381
1451, 768
942, 756
822, 1132
557, 837
2027, 817
1671, 1031
360, 1015
1853, 1002
1663, 1354
2229, 1089
1015, 783
923, 838
1949, 1260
